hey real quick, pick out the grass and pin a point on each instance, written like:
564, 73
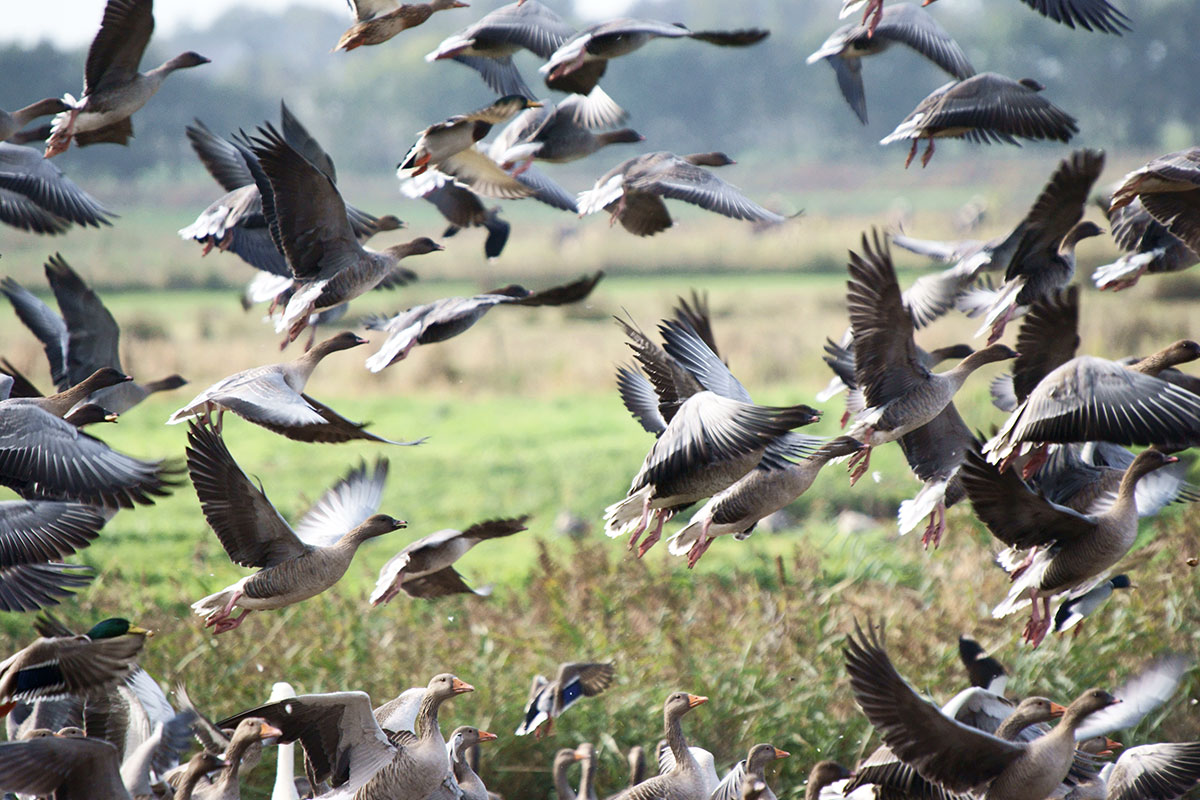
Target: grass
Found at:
522, 418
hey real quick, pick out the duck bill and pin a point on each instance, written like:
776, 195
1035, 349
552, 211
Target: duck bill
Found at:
781, 753
484, 736
144, 631
1056, 710
460, 686
696, 700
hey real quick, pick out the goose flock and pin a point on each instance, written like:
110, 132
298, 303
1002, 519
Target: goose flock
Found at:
1055, 485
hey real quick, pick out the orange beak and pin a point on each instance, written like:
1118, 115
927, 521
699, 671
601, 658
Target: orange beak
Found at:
267, 730
781, 753
484, 736
696, 700
1112, 744
580, 755
460, 686
1056, 710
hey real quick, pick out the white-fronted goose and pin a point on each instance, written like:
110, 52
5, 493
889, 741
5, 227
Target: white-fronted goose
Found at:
1149, 248
425, 568
900, 23
553, 133
1169, 188
753, 766
984, 108
376, 21
85, 339
461, 207
633, 191
78, 665
954, 755
1069, 549
461, 741
684, 780
549, 699
34, 538
273, 396
901, 396
294, 565
446, 318
761, 492
11, 122
579, 63
36, 196
113, 89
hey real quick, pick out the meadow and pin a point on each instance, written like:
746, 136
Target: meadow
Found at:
522, 417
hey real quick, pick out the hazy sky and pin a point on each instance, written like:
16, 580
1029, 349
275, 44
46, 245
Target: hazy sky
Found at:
74, 22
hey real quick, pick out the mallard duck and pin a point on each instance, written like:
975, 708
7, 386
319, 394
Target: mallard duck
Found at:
36, 196
549, 699
113, 89
294, 564
461, 207
70, 767
1169, 188
554, 133
984, 108
34, 538
684, 779
376, 21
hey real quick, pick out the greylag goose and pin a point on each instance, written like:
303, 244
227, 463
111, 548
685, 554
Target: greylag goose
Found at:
984, 108
1149, 772
450, 147
295, 564
633, 191
425, 568
1069, 549
563, 760
823, 774
461, 741
113, 89
951, 754
34, 538
461, 207
58, 665
84, 339
761, 492
900, 395
273, 396
753, 766
11, 122
446, 318
248, 732
376, 21
1074, 610
36, 196
1149, 248
198, 766
684, 780
900, 23
579, 63
553, 133
1169, 188
1098, 15
330, 267
549, 699
637, 764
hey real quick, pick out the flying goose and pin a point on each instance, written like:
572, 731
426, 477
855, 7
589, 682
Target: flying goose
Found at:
1169, 188
34, 538
1149, 248
36, 196
1098, 15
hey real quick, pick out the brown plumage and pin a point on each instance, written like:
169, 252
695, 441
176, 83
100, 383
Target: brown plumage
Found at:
380, 20
684, 780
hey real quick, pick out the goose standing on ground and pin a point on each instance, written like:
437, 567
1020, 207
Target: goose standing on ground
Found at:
294, 564
563, 760
984, 108
633, 191
425, 567
1147, 244
113, 89
579, 63
376, 21
273, 396
900, 23
461, 741
754, 765
34, 538
1169, 188
36, 196
549, 699
1067, 550
1098, 15
84, 339
901, 396
446, 318
248, 732
684, 781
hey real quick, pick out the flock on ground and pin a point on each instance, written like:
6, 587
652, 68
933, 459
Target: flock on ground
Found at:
1055, 484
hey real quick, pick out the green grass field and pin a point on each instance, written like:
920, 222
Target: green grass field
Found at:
522, 417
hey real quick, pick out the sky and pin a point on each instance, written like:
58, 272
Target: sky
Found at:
74, 22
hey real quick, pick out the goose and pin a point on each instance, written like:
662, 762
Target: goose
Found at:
198, 766
1149, 248
248, 731
461, 741
549, 699
273, 396
147, 764
376, 21
1169, 189
899, 23
1098, 15
900, 395
113, 89
553, 133
34, 538
295, 564
684, 780
1069, 550
284, 787
824, 774
633, 192
1151, 771
563, 759
11, 122
637, 764
84, 339
579, 63
984, 108
753, 766
448, 317
36, 196
425, 567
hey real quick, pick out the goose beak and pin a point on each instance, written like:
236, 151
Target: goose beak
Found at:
1171, 459
484, 736
461, 686
781, 753
361, 340
696, 700
579, 755
267, 731
1056, 710
1112, 744
397, 524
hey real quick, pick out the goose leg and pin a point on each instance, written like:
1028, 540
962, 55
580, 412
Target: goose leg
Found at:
60, 140
229, 623
928, 155
1024, 565
937, 525
874, 11
525, 165
845, 417
860, 462
1035, 462
1035, 621
223, 614
911, 153
663, 515
1044, 627
643, 521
